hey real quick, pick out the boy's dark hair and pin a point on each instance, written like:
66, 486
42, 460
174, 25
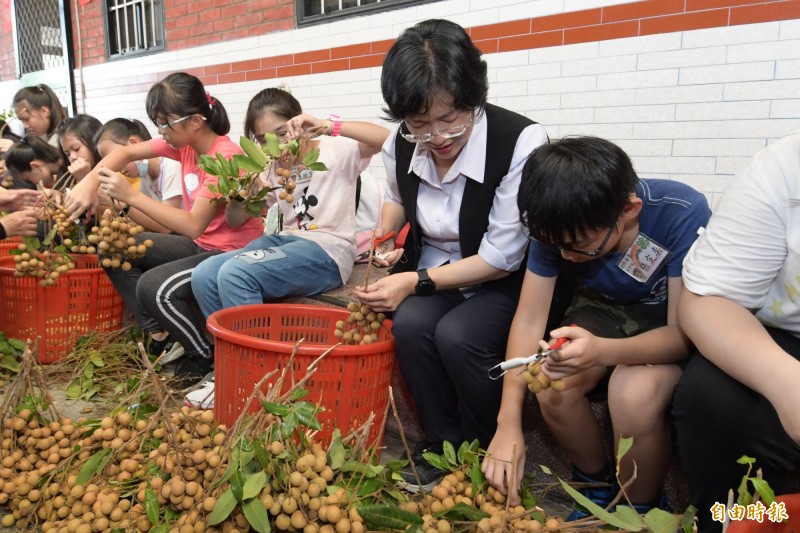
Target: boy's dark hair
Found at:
84, 128
39, 96
182, 94
119, 130
431, 57
18, 158
573, 186
280, 102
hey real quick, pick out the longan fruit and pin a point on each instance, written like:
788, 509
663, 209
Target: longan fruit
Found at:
558, 385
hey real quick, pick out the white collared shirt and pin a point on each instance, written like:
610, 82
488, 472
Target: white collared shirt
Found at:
439, 201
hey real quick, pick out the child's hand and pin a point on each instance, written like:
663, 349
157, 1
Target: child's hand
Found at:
385, 254
498, 465
116, 185
5, 144
301, 125
20, 223
79, 168
387, 293
579, 354
78, 200
14, 199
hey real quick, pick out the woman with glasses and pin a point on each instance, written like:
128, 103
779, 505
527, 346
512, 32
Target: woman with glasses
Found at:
157, 288
315, 249
625, 239
453, 168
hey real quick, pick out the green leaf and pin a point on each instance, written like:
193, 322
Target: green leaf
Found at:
462, 452
74, 390
151, 506
256, 514
96, 359
311, 157
237, 485
625, 444
318, 167
449, 453
388, 516
253, 209
163, 528
477, 478
763, 488
337, 452
630, 515
299, 394
546, 470
743, 495
225, 505
687, 520
528, 498
369, 486
660, 521
253, 484
436, 460
462, 511
598, 511
745, 460
248, 164
210, 165
272, 145
93, 466
276, 408
88, 374
18, 344
262, 456
306, 414
255, 153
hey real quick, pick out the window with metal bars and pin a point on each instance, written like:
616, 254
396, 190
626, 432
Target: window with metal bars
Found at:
133, 27
315, 11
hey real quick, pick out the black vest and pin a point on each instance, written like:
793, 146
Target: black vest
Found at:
503, 129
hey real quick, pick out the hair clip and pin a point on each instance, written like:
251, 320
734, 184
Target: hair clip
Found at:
211, 100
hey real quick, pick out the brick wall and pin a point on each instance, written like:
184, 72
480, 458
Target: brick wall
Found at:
92, 35
7, 66
192, 23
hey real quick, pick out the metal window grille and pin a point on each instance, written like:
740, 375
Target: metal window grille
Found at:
40, 43
313, 11
134, 27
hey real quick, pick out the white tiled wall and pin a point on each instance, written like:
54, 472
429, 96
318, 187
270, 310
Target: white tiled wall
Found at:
690, 106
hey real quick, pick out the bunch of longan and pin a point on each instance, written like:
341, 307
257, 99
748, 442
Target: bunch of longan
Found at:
361, 327
116, 242
288, 182
537, 380
47, 265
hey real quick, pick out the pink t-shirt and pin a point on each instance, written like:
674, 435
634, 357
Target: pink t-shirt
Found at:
218, 235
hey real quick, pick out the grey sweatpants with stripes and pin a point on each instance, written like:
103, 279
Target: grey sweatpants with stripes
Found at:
158, 290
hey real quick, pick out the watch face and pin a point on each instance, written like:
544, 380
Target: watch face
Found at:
425, 287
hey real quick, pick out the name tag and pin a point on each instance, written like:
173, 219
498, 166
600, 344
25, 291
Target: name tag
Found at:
643, 258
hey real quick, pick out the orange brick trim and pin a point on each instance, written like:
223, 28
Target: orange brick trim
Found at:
598, 24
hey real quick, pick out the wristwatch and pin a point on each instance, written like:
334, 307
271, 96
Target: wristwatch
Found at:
425, 285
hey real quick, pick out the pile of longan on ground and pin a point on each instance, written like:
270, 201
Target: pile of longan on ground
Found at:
361, 327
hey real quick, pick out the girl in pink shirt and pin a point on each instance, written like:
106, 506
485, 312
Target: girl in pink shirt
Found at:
157, 288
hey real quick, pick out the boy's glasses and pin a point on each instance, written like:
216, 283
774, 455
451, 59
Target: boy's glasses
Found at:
447, 133
168, 125
593, 253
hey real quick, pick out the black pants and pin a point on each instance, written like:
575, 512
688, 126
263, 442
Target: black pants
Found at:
158, 290
718, 420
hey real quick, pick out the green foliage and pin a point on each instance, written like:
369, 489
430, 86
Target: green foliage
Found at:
10, 353
762, 488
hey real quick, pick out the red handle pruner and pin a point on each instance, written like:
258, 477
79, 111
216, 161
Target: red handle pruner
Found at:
376, 241
499, 370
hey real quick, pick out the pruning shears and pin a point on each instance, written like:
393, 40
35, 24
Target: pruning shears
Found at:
499, 370
375, 242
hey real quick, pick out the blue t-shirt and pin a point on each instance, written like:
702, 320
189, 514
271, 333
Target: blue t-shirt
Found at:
671, 215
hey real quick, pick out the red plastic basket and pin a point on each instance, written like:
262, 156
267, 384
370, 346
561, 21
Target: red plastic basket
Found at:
82, 300
9, 244
350, 382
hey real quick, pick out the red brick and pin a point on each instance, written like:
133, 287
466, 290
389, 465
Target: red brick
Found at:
637, 10
208, 80
294, 70
170, 13
171, 24
488, 46
187, 20
765, 12
685, 22
375, 60
177, 35
223, 25
234, 77
330, 66
242, 66
503, 29
380, 47
313, 56
206, 29
574, 19
238, 9
695, 5
351, 51
223, 3
601, 32
263, 74
277, 61
198, 6
535, 40
222, 68
210, 15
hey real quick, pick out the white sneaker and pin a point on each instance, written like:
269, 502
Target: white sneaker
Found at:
203, 396
174, 353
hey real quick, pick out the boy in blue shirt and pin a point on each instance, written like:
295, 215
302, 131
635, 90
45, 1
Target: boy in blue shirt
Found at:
582, 202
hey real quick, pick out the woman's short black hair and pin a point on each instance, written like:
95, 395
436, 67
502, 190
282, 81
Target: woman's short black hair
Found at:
39, 96
574, 186
432, 57
84, 128
119, 130
18, 158
182, 94
279, 101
